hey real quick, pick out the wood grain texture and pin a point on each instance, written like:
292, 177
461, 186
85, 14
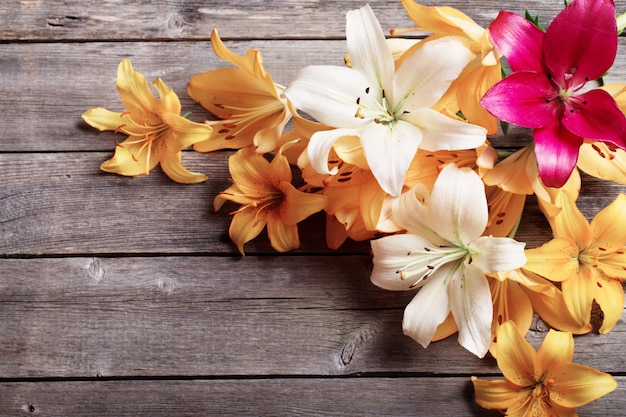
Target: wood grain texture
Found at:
43, 104
212, 316
363, 397
193, 19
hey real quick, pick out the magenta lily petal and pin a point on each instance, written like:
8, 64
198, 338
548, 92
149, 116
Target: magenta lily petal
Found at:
519, 40
556, 149
523, 98
595, 115
580, 44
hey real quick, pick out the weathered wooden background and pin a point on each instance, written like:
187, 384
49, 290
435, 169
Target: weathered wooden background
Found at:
124, 296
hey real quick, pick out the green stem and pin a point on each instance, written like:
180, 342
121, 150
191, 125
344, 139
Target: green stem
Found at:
621, 23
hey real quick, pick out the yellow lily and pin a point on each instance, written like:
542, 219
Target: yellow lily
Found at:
267, 197
157, 133
244, 99
479, 75
540, 383
598, 158
517, 294
589, 259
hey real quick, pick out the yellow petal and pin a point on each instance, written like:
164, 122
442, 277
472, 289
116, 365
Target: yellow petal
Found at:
557, 348
579, 293
135, 92
608, 228
132, 159
614, 264
103, 119
244, 104
499, 394
246, 225
576, 385
510, 303
251, 172
610, 296
505, 210
281, 171
298, 205
283, 237
552, 309
371, 203
516, 357
599, 160
173, 167
517, 173
183, 132
251, 62
442, 20
556, 260
570, 222
168, 97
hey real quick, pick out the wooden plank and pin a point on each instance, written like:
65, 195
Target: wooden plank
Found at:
42, 106
363, 397
194, 19
72, 207
215, 316
61, 203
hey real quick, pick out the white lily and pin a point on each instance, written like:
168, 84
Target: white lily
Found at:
390, 110
444, 253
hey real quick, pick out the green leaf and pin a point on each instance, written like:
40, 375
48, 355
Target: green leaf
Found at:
533, 20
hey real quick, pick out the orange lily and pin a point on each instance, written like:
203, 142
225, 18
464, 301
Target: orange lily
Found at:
267, 197
540, 383
157, 133
244, 99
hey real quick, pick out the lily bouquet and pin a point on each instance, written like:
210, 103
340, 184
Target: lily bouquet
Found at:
393, 147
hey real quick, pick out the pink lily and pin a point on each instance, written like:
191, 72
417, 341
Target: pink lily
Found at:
549, 70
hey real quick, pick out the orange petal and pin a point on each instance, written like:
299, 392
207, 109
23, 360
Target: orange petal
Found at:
608, 228
499, 394
173, 167
516, 357
246, 225
556, 260
576, 385
283, 237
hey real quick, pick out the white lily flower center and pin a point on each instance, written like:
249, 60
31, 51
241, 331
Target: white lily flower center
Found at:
428, 260
380, 111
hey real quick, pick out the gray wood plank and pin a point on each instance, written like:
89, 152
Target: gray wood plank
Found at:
216, 316
361, 397
194, 19
42, 105
61, 203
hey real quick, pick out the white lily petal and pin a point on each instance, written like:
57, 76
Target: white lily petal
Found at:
389, 150
472, 308
425, 76
368, 49
320, 145
329, 94
428, 309
458, 205
391, 255
443, 133
497, 254
410, 212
